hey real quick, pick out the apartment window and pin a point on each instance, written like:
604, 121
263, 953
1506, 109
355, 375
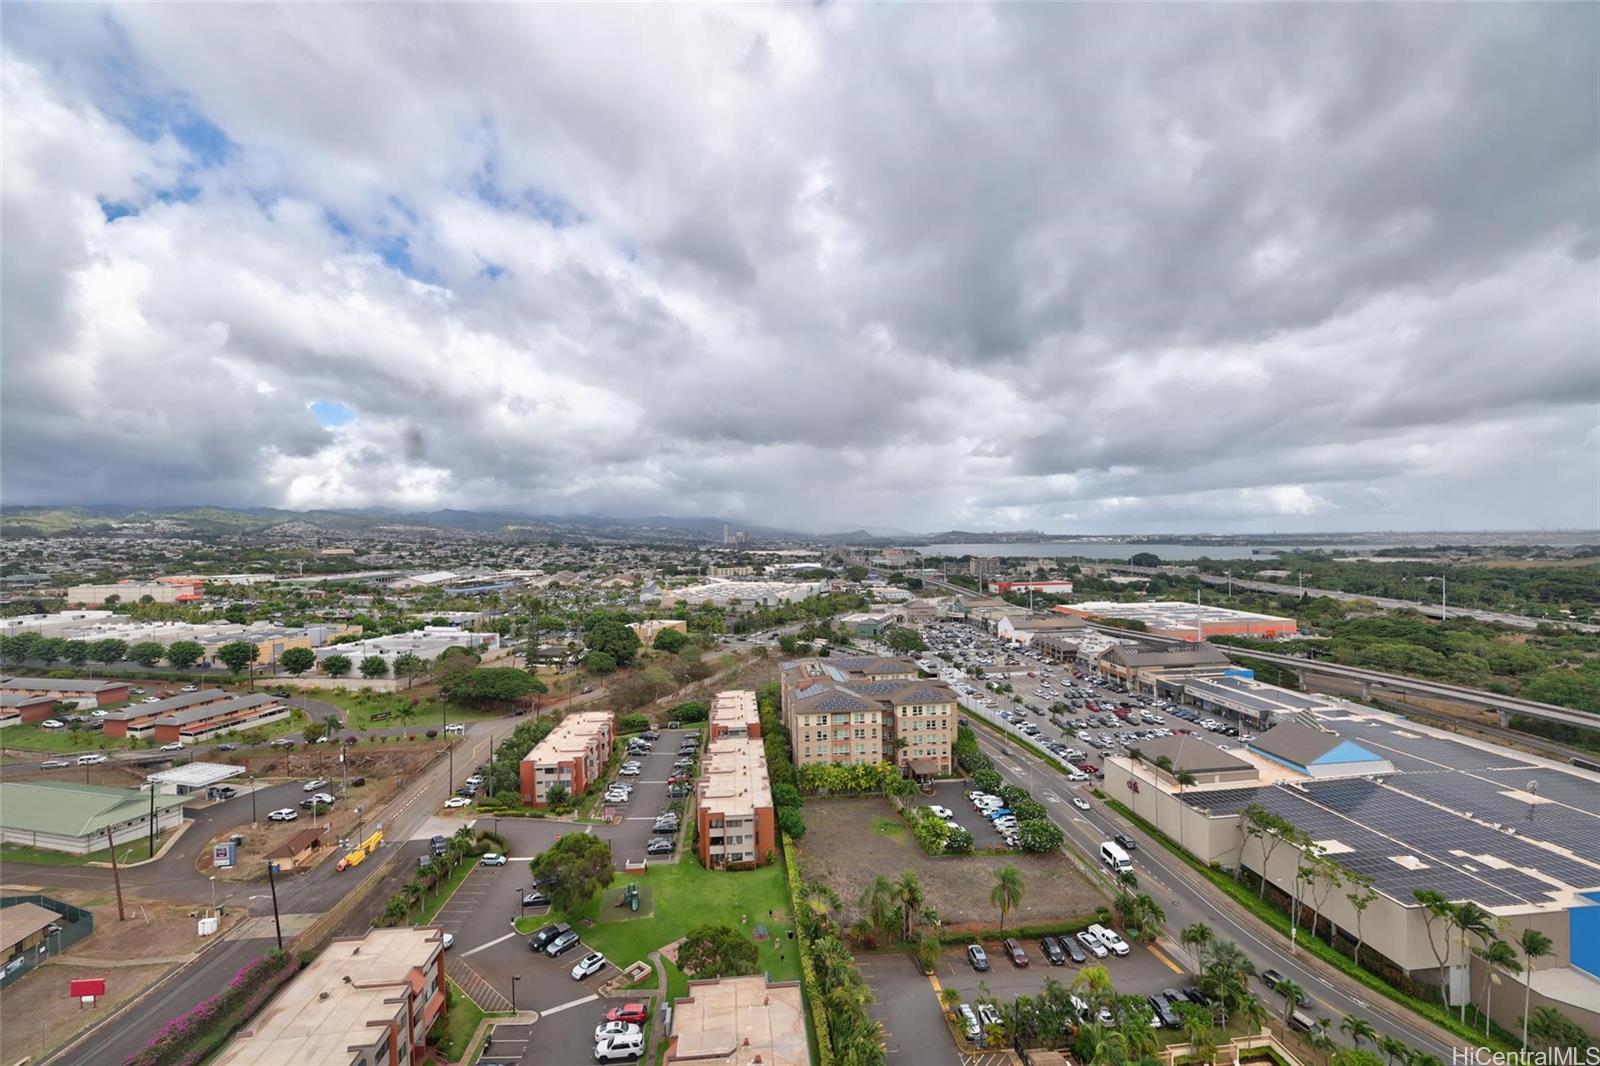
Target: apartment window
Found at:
861, 734
861, 716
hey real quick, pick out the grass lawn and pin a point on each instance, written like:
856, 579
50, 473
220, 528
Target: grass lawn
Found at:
30, 737
132, 851
454, 1030
684, 895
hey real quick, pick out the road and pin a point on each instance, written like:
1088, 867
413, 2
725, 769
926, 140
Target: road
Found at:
122, 1034
1187, 899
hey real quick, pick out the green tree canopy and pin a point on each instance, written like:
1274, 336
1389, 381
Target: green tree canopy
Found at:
573, 869
600, 662
670, 640
489, 683
75, 652
146, 653
718, 951
297, 660
237, 655
612, 636
336, 665
110, 650
182, 654
374, 666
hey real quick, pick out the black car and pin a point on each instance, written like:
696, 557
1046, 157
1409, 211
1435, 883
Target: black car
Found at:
1126, 842
650, 734
1164, 1011
227, 747
1053, 952
439, 845
1197, 997
1074, 952
541, 940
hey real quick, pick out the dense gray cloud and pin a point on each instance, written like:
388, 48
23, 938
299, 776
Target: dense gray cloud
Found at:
1067, 267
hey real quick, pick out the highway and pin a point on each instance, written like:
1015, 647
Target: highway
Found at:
1187, 898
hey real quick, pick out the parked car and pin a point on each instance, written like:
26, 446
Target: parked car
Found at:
54, 764
52, 723
449, 941
1074, 952
541, 940
1052, 951
969, 1022
659, 846
457, 801
606, 1030
629, 770
632, 1012
493, 858
1092, 945
283, 814
562, 944
314, 786
976, 956
535, 899
588, 966
619, 1048
1163, 1011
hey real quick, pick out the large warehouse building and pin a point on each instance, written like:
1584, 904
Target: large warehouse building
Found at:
79, 819
1411, 808
1186, 621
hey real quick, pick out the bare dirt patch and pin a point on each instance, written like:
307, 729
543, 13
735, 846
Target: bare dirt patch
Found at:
37, 1012
849, 843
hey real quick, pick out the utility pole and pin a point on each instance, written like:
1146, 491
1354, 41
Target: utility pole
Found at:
253, 801
272, 868
152, 819
1230, 584
116, 875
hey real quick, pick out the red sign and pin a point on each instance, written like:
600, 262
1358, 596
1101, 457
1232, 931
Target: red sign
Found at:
1133, 786
88, 986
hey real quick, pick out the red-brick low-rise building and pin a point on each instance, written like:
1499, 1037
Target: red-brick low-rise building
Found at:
104, 693
734, 714
733, 804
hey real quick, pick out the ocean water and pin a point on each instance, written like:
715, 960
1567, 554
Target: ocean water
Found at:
1090, 549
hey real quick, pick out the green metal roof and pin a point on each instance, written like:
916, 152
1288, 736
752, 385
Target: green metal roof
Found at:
68, 809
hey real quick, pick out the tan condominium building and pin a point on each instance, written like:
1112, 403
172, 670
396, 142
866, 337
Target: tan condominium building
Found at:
574, 756
739, 1021
734, 714
734, 805
365, 1001
868, 709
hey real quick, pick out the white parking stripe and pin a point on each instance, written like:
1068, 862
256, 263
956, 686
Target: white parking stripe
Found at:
565, 1006
490, 944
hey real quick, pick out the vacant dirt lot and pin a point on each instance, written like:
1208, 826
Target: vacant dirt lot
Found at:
848, 843
38, 1012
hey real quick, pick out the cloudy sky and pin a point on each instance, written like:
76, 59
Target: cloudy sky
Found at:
1059, 267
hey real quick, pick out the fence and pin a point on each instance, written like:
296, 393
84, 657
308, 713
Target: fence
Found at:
76, 923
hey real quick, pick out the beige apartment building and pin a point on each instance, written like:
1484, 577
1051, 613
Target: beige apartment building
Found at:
734, 714
868, 709
365, 1001
739, 1021
574, 755
737, 823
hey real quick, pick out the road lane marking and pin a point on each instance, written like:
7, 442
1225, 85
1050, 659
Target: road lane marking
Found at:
1158, 953
490, 944
568, 1006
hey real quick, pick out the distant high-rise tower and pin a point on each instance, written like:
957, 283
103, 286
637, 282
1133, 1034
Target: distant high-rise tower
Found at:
725, 540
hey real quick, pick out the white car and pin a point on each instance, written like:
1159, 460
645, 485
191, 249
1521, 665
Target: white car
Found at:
493, 858
588, 966
176, 745
283, 814
630, 770
457, 801
942, 812
1092, 945
190, 688
52, 723
619, 1048
1080, 803
151, 699
449, 940
606, 1030
100, 713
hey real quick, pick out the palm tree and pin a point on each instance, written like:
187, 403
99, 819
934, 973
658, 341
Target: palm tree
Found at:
1197, 937
1127, 881
909, 891
1291, 992
1149, 916
1469, 919
1436, 909
1093, 984
1357, 1029
951, 998
1007, 891
1393, 1049
1253, 1012
1200, 1032
408, 715
1125, 908
878, 901
1498, 954
1321, 1036
1534, 945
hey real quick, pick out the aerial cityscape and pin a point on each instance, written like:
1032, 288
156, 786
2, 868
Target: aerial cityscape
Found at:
770, 535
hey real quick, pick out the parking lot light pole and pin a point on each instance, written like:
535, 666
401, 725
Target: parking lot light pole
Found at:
514, 979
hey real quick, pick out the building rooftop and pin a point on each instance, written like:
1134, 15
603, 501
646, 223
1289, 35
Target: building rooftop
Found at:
1165, 655
337, 1001
58, 684
735, 709
570, 738
65, 808
733, 777
20, 921
232, 705
195, 774
1301, 745
170, 705
1255, 695
1192, 754
740, 1021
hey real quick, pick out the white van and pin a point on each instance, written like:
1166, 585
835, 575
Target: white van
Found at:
1114, 943
1114, 857
455, 727
92, 760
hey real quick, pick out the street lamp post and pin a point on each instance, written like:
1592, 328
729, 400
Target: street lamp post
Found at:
252, 801
1444, 594
213, 893
514, 979
523, 904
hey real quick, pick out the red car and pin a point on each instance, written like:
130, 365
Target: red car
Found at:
632, 1013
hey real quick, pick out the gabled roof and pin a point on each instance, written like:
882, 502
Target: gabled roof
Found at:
1301, 745
67, 809
1162, 655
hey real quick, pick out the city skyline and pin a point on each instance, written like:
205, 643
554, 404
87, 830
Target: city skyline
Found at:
1284, 269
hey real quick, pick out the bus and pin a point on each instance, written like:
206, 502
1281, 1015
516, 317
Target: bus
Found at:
1114, 857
